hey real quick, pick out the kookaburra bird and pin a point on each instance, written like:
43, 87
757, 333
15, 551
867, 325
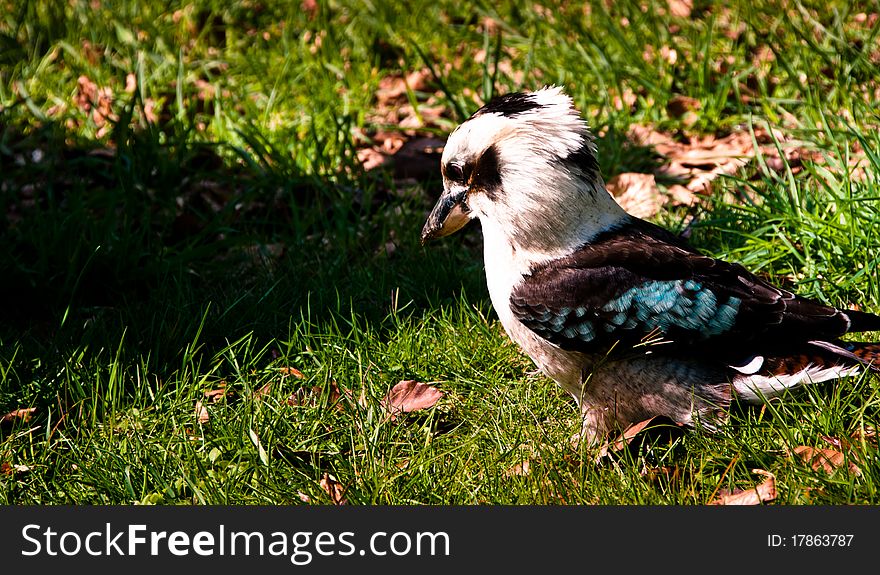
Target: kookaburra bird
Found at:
624, 315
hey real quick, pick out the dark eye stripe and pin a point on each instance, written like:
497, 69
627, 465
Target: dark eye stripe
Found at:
483, 175
455, 172
488, 173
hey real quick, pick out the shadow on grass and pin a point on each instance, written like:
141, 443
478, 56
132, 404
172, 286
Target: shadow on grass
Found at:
162, 242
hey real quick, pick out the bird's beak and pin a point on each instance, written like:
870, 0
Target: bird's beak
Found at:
449, 215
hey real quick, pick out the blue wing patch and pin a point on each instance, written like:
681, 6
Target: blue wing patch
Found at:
664, 305
667, 306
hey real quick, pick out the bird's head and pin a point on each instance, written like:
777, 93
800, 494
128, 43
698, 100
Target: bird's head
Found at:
525, 165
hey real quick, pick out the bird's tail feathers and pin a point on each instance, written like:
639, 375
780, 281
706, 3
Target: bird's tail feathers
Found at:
862, 321
857, 352
827, 360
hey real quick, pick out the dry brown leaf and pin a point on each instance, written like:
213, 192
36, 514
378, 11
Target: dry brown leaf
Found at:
5, 468
389, 142
410, 395
679, 105
150, 108
868, 433
86, 92
334, 489
629, 434
414, 158
212, 395
761, 493
392, 89
697, 160
637, 193
836, 442
681, 196
310, 7
266, 389
311, 396
394, 107
625, 438
521, 468
828, 460
371, 158
216, 395
97, 102
681, 8
202, 415
291, 371
18, 414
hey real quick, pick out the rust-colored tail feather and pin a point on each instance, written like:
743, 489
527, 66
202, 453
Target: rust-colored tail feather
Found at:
868, 353
857, 352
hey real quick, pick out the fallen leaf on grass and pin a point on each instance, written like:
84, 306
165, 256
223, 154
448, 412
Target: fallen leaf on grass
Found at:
681, 8
371, 158
868, 434
392, 89
18, 415
625, 438
334, 489
310, 396
402, 148
684, 108
828, 460
7, 468
216, 395
697, 160
291, 371
761, 493
96, 102
266, 389
416, 158
212, 395
410, 395
521, 468
636, 193
836, 442
681, 196
202, 415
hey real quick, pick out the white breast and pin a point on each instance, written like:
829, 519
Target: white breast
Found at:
504, 270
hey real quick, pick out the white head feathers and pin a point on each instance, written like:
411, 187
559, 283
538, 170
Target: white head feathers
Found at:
545, 119
525, 165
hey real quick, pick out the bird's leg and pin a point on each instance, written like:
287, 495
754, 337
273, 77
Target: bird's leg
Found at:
618, 394
594, 426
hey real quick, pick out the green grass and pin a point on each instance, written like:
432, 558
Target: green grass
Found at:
218, 228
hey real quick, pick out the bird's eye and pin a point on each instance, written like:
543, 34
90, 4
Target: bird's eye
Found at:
455, 172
